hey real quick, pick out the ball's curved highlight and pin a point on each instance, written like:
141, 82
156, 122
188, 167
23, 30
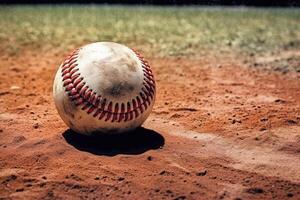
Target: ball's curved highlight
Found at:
104, 87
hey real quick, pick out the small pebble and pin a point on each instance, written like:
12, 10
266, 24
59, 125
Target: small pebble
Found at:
201, 173
162, 172
255, 190
14, 87
290, 121
290, 195
263, 119
20, 190
36, 125
279, 101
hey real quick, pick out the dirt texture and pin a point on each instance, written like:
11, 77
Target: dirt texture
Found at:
219, 130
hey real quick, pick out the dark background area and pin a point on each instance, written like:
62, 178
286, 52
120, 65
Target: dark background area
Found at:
260, 3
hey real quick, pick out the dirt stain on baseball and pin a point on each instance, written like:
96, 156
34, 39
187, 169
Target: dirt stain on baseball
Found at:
131, 64
69, 108
119, 89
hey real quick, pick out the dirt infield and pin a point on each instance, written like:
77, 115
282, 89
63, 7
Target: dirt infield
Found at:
219, 130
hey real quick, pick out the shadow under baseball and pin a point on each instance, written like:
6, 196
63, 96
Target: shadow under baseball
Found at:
131, 143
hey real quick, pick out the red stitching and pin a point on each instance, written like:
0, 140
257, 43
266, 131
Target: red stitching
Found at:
82, 95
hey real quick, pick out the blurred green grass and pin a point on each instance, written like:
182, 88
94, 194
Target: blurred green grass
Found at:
159, 31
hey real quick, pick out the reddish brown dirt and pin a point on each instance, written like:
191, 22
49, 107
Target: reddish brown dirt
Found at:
219, 130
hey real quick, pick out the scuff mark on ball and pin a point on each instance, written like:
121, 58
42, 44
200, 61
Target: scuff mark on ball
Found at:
69, 108
119, 89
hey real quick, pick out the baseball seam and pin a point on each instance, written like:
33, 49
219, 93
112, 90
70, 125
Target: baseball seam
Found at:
81, 94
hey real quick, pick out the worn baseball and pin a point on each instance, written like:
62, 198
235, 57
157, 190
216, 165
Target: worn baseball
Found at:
104, 87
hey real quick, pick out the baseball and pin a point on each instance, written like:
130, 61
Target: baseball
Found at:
104, 87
